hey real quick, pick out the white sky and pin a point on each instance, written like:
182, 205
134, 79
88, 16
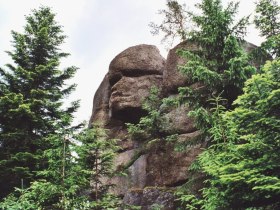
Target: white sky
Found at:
97, 31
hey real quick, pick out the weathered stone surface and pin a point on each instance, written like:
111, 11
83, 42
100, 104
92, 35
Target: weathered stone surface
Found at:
124, 158
151, 198
160, 166
129, 93
131, 75
133, 197
185, 138
167, 167
122, 183
120, 133
172, 77
100, 110
137, 60
136, 173
177, 121
156, 197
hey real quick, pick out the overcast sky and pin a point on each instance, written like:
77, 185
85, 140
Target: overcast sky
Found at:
97, 31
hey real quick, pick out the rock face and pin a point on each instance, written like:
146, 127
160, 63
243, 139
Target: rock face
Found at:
151, 198
172, 77
153, 173
100, 108
128, 94
131, 74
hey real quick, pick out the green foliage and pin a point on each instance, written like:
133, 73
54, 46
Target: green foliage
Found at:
107, 202
218, 55
43, 195
151, 124
154, 126
244, 169
267, 17
39, 151
96, 156
189, 201
75, 166
31, 94
241, 162
218, 66
267, 20
11, 202
156, 207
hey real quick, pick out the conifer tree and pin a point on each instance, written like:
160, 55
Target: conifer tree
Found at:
96, 159
32, 90
174, 24
242, 165
77, 164
267, 20
247, 165
219, 65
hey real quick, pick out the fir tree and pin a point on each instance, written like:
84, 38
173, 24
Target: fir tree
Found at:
31, 97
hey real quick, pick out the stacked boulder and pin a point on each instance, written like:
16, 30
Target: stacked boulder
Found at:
153, 174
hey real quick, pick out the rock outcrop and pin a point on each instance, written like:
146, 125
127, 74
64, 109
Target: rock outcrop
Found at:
172, 77
153, 173
154, 167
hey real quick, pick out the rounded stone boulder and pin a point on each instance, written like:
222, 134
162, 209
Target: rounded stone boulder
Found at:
136, 61
172, 77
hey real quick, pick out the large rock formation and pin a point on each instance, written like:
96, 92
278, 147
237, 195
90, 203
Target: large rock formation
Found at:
155, 171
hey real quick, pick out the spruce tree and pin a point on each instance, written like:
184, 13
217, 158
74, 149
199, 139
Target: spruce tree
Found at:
174, 24
244, 170
267, 20
242, 164
78, 164
96, 162
219, 65
32, 90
